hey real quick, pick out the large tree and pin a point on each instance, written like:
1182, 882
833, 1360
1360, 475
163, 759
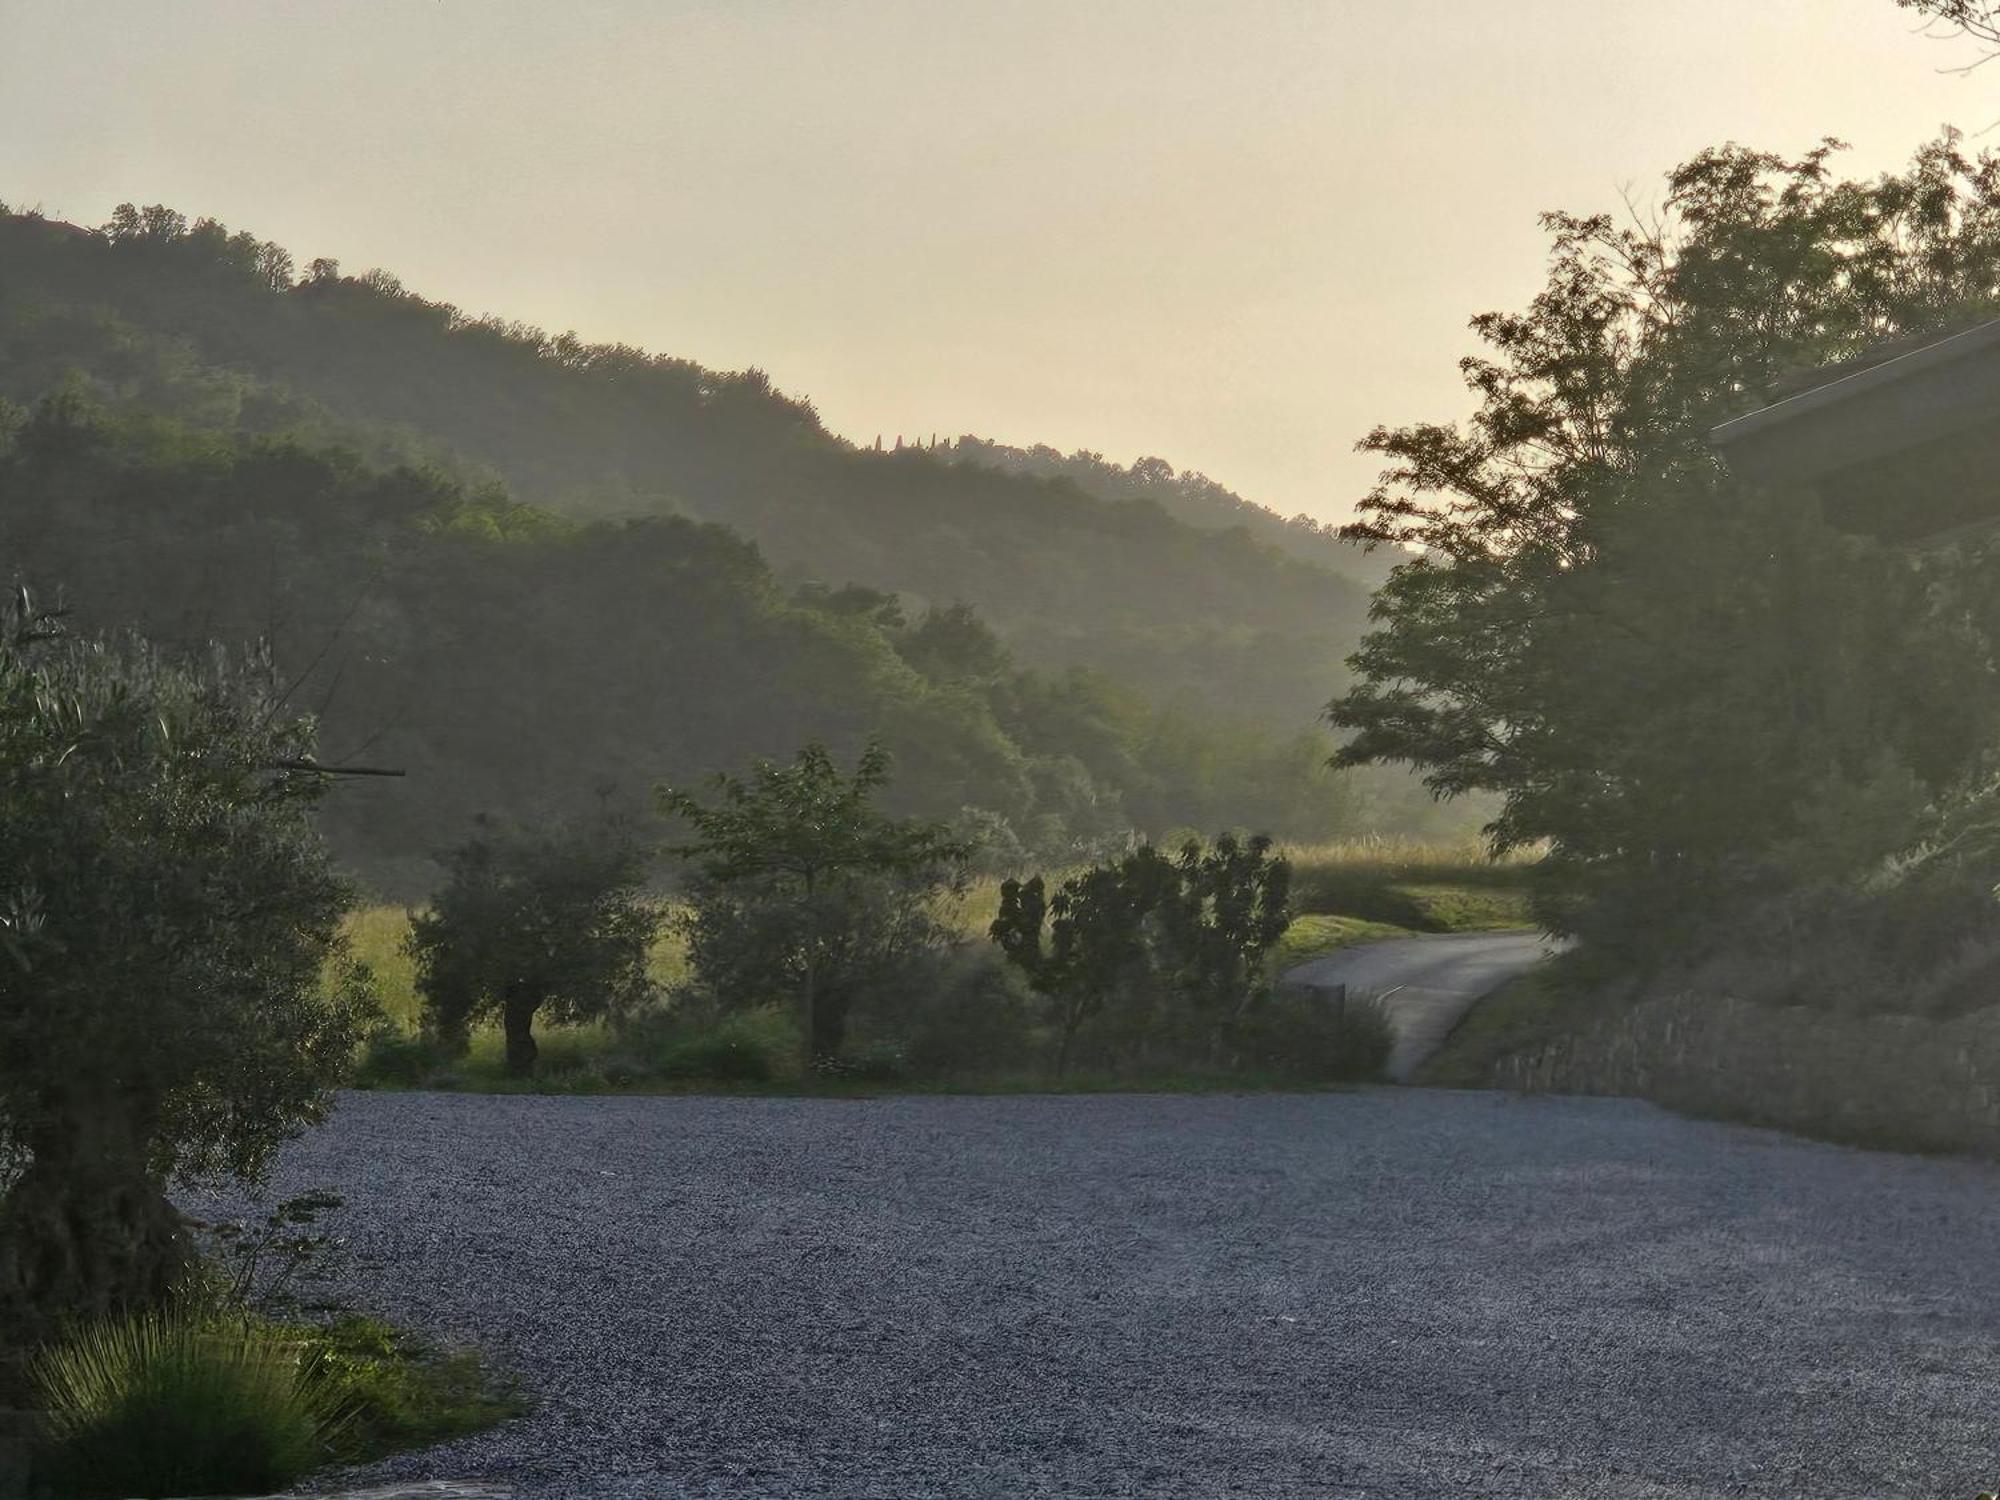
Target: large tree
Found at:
167, 917
1670, 678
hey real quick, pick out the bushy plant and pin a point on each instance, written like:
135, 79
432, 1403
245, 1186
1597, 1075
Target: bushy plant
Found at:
398, 1059
1158, 956
181, 1402
1308, 1038
974, 1020
746, 1046
393, 1390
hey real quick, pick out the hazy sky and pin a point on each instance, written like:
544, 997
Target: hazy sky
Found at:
1234, 233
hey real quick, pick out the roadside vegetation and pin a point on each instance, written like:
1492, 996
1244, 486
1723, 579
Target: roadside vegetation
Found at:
937, 1006
1756, 745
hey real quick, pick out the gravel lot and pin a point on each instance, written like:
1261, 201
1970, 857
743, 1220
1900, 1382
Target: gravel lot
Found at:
1383, 1293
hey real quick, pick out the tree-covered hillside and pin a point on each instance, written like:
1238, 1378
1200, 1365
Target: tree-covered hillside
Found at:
1185, 494
1210, 617
517, 662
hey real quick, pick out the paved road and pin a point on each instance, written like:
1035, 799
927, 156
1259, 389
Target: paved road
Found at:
1380, 1293
1426, 983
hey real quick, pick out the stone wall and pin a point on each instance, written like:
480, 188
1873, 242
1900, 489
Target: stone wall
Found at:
1893, 1081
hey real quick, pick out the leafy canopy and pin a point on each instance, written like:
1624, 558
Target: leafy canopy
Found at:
168, 909
1669, 677
801, 888
548, 921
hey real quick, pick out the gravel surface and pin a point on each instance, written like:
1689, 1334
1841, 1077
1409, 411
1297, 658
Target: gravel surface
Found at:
1382, 1293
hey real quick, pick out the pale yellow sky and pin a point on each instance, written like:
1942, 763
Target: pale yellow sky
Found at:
1235, 233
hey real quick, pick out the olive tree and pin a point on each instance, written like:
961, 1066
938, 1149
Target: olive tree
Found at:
549, 921
168, 919
802, 890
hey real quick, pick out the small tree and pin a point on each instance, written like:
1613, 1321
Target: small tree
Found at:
802, 889
549, 921
1098, 955
168, 913
1170, 945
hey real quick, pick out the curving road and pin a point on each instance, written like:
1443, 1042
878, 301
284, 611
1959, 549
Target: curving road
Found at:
1381, 1293
1425, 983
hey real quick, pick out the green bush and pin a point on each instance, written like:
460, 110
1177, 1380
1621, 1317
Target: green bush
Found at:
973, 1021
395, 1392
399, 1060
1313, 1039
182, 1402
747, 1046
877, 1062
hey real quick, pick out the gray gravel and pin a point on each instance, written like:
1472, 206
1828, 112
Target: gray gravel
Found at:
1383, 1293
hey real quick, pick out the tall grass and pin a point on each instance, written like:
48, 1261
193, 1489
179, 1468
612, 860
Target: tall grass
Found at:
376, 935
1416, 885
180, 1402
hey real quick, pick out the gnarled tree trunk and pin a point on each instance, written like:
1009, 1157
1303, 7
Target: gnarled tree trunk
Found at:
87, 1230
517, 1016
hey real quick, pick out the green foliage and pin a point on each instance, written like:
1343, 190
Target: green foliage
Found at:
168, 914
418, 631
757, 1045
1157, 952
548, 921
180, 1402
801, 889
1577, 537
974, 1020
455, 439
260, 1263
1309, 1039
393, 1390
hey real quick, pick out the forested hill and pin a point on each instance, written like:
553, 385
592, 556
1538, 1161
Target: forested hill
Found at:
220, 329
195, 443
1187, 495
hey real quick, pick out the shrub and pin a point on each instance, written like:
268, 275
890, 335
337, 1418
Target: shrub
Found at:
747, 1046
398, 1059
395, 1391
180, 1402
878, 1062
974, 1020
1158, 957
1309, 1038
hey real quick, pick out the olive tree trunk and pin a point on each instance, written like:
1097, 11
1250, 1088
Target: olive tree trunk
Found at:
517, 1015
87, 1231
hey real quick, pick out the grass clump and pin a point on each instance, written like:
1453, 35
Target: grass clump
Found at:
1307, 1039
182, 1402
196, 1399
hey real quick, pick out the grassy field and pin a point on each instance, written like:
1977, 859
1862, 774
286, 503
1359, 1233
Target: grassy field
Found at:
1417, 887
